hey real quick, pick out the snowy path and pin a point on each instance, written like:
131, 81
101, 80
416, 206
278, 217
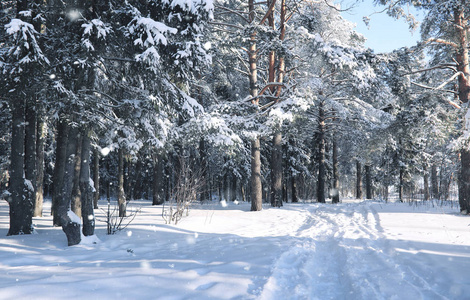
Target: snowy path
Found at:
343, 253
355, 250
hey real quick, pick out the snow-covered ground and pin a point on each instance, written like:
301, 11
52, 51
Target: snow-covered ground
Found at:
353, 250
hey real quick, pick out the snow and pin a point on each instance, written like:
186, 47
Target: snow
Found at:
353, 250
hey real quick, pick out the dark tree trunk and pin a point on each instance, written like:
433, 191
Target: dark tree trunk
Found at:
293, 183
21, 207
401, 184
276, 171
426, 183
59, 168
121, 193
462, 59
63, 216
74, 165
335, 190
434, 182
233, 188
321, 154
464, 182
368, 182
41, 141
96, 177
358, 180
158, 181
256, 188
204, 170
30, 160
137, 189
86, 187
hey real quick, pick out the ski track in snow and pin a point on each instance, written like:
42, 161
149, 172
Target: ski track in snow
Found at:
343, 254
353, 250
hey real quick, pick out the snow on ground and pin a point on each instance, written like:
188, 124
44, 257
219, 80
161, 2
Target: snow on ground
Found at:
353, 250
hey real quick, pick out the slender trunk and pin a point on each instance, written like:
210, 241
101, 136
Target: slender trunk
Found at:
96, 177
358, 180
401, 184
293, 183
426, 183
137, 189
321, 154
30, 158
121, 194
158, 181
41, 141
203, 162
462, 59
434, 182
335, 190
256, 188
368, 182
233, 188
276, 171
76, 204
86, 187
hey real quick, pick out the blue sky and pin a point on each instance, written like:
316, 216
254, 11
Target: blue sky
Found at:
384, 33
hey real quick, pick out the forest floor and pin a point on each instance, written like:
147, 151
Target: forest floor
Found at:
352, 250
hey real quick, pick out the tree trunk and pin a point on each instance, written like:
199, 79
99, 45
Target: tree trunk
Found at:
96, 177
401, 184
158, 181
434, 182
321, 154
256, 188
86, 187
75, 166
21, 208
368, 182
276, 171
63, 216
59, 168
121, 194
335, 190
40, 145
426, 183
204, 170
293, 183
462, 58
358, 180
30, 159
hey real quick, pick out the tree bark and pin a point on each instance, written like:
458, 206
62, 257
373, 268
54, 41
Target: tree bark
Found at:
74, 165
30, 158
276, 170
63, 216
21, 208
426, 183
462, 58
41, 141
335, 190
358, 180
158, 181
321, 154
59, 168
401, 184
86, 187
368, 182
121, 193
256, 188
293, 183
434, 183
96, 177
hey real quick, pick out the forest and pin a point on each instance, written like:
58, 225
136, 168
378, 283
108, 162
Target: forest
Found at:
181, 101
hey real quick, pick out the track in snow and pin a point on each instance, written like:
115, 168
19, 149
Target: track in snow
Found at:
341, 252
